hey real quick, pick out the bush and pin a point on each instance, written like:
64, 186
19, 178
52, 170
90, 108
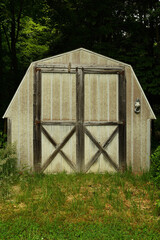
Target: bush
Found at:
3, 139
8, 172
155, 165
8, 161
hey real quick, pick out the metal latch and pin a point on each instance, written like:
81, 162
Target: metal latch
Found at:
37, 122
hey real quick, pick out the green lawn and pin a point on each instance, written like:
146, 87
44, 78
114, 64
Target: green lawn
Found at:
79, 206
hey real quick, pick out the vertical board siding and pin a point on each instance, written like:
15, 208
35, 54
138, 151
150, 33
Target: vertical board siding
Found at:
129, 109
28, 118
100, 105
22, 121
23, 110
30, 110
56, 98
59, 102
113, 101
139, 130
144, 138
46, 97
136, 135
20, 111
75, 57
113, 147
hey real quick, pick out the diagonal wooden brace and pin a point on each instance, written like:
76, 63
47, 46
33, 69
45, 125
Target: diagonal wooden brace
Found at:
101, 149
58, 148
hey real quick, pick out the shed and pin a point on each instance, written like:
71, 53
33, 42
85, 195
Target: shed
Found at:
80, 111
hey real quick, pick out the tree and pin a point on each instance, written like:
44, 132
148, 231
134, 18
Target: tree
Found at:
22, 40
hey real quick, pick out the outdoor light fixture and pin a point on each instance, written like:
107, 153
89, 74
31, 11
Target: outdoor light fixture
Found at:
137, 106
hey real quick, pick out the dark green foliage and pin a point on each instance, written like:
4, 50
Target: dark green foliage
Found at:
155, 165
157, 123
3, 139
8, 170
125, 30
8, 161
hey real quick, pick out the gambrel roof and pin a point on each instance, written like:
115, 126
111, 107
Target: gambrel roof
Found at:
83, 56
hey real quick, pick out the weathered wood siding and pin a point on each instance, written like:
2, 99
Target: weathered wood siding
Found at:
101, 104
101, 97
20, 110
101, 133
58, 103
138, 135
58, 96
59, 164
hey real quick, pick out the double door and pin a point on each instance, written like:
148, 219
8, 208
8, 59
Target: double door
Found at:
79, 119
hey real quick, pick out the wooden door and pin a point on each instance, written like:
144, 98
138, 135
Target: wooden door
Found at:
104, 120
79, 116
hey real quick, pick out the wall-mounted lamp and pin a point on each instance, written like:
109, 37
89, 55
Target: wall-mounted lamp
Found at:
137, 106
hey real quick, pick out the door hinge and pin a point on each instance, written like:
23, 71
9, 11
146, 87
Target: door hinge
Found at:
37, 122
37, 69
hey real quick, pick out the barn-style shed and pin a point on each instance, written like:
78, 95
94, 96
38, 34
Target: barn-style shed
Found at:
80, 111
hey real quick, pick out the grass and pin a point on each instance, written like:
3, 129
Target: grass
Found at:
80, 206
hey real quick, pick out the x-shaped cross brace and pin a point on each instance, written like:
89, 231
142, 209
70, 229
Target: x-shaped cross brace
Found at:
71, 164
101, 149
58, 149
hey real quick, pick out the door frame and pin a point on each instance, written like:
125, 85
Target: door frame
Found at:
79, 125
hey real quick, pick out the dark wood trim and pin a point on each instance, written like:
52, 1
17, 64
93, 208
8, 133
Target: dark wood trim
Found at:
59, 123
79, 124
101, 149
70, 163
122, 118
53, 66
101, 123
86, 71
80, 119
9, 130
103, 68
56, 70
59, 147
98, 153
48, 136
82, 66
36, 118
65, 68
110, 138
100, 71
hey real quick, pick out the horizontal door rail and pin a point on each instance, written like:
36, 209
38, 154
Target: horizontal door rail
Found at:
57, 70
86, 123
102, 123
75, 66
60, 123
102, 71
